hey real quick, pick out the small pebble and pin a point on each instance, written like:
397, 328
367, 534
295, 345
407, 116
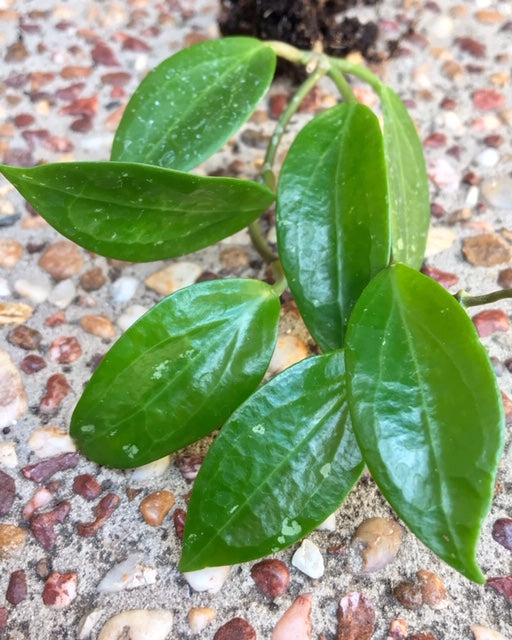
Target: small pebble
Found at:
103, 54
179, 518
498, 191
87, 486
123, 289
433, 590
56, 319
189, 465
103, 510
13, 399
375, 544
156, 506
62, 260
502, 532
439, 239
484, 633
57, 388
65, 350
329, 524
13, 313
60, 590
174, 277
42, 525
25, 337
398, 629
486, 250
138, 624
129, 574
234, 259
289, 350
93, 279
356, 617
12, 539
130, 315
149, 471
4, 288
235, 629
503, 586
488, 99
37, 289
63, 294
8, 455
272, 577
295, 621
7, 493
46, 442
87, 623
44, 470
444, 175
408, 595
489, 321
488, 158
41, 498
209, 579
444, 278
200, 617
98, 325
10, 252
309, 560
17, 587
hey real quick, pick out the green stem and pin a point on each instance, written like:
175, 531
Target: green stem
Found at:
280, 279
473, 301
341, 82
260, 244
356, 70
290, 53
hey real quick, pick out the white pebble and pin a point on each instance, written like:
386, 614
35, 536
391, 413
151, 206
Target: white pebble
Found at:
8, 455
87, 623
484, 633
472, 197
444, 175
37, 289
4, 287
309, 560
138, 624
50, 441
123, 289
129, 574
329, 524
451, 121
62, 294
131, 314
174, 277
488, 158
208, 579
149, 471
240, 237
200, 617
441, 27
498, 191
439, 239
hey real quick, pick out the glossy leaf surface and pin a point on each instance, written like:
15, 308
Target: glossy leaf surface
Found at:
281, 465
193, 102
426, 410
332, 217
409, 200
138, 212
178, 372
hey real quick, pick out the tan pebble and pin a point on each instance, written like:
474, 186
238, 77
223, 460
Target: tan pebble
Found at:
356, 617
452, 69
459, 11
12, 538
174, 277
376, 541
486, 250
289, 350
138, 624
408, 595
234, 259
489, 16
62, 260
34, 222
296, 620
200, 617
46, 442
439, 239
484, 633
14, 313
10, 252
112, 122
13, 399
98, 325
506, 116
433, 590
156, 506
500, 79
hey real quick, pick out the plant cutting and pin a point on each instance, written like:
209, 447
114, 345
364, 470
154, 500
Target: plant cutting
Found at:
402, 385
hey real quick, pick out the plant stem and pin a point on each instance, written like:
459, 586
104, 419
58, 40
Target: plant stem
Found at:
473, 301
280, 279
341, 83
290, 53
356, 70
260, 244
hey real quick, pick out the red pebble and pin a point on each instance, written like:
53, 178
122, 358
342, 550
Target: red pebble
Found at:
490, 321
32, 364
235, 629
87, 486
502, 585
179, 516
135, 44
103, 54
60, 590
444, 278
103, 510
82, 125
435, 141
24, 120
488, 99
58, 144
56, 319
116, 78
72, 92
271, 576
7, 493
3, 617
42, 525
502, 532
44, 470
17, 588
57, 388
65, 350
471, 46
81, 107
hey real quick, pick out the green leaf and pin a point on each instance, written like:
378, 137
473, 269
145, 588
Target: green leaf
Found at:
426, 410
178, 372
281, 465
137, 212
193, 102
332, 217
409, 200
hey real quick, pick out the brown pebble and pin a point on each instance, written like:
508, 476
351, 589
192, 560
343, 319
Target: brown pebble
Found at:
502, 585
135, 44
132, 493
236, 629
471, 46
278, 104
57, 388
502, 532
490, 321
179, 516
189, 466
43, 568
486, 250
71, 92
42, 524
444, 278
98, 325
356, 617
25, 337
75, 71
65, 350
93, 279
103, 54
116, 79
398, 629
60, 590
271, 576
376, 543
16, 52
7, 493
494, 140
408, 595
44, 470
234, 259
505, 278
489, 16
62, 260
87, 486
435, 140
12, 538
81, 107
24, 120
422, 636
103, 510
10, 252
81, 125
433, 590
32, 364
17, 587
156, 506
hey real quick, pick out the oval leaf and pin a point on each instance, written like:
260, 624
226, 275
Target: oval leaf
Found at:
332, 217
193, 102
426, 410
138, 212
409, 200
282, 464
178, 372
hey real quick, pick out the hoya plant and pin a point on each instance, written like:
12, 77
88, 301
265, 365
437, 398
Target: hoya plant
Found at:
402, 384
